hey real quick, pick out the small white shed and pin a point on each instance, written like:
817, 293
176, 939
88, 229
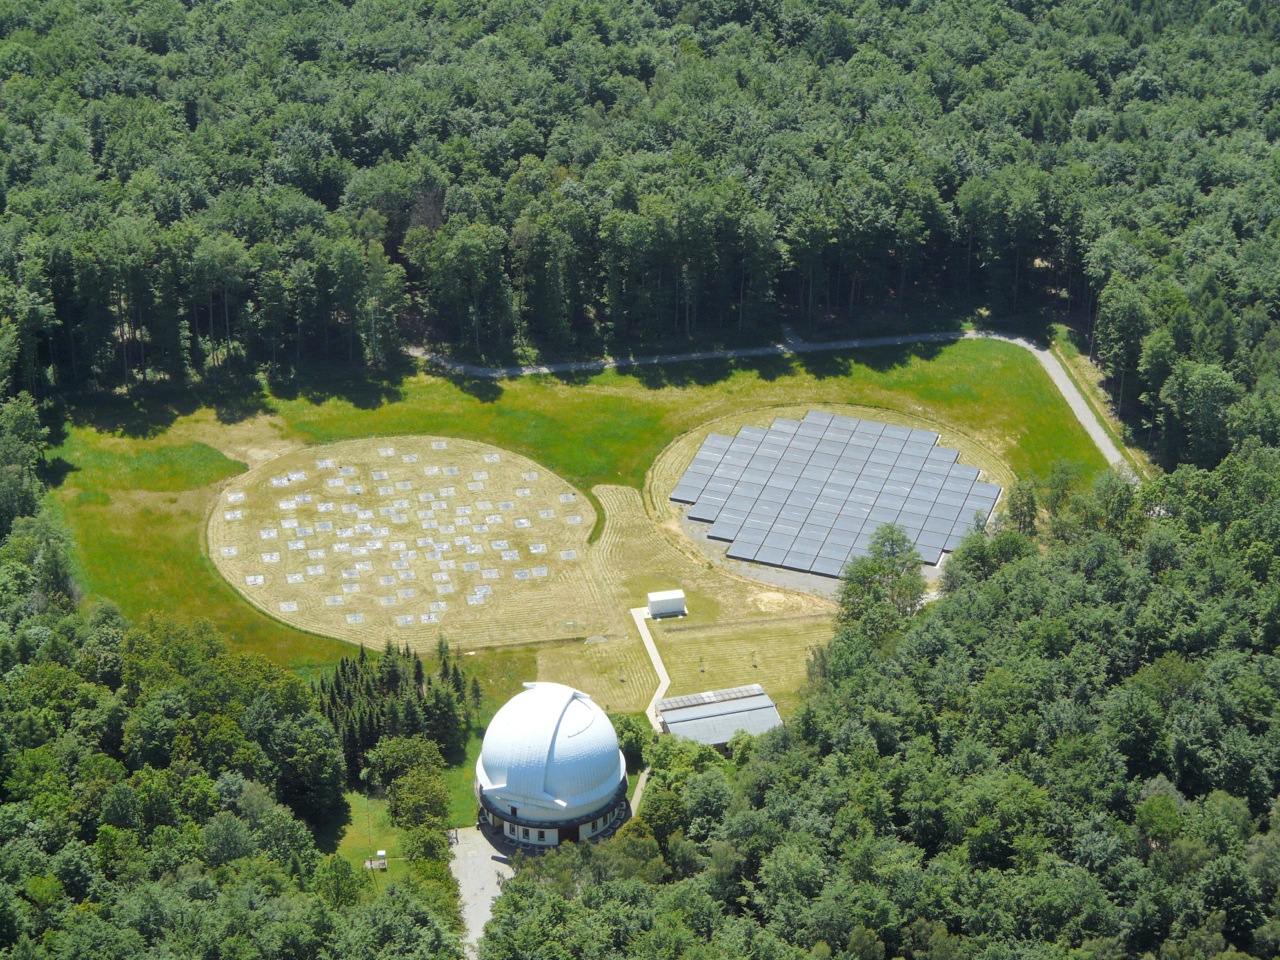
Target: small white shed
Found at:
667, 603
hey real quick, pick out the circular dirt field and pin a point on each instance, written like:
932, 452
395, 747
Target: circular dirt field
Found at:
406, 539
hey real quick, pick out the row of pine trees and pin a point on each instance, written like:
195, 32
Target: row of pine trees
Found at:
368, 698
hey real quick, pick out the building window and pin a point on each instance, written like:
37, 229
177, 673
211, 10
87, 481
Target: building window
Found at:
542, 836
513, 811
524, 833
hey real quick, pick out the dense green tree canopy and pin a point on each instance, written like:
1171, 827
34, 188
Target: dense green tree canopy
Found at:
189, 187
160, 796
1074, 752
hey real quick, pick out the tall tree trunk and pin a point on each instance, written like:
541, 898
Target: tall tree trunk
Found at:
688, 306
809, 304
902, 289
120, 333
676, 314
475, 323
48, 345
839, 287
968, 267
1017, 273
142, 345
213, 342
742, 295
71, 352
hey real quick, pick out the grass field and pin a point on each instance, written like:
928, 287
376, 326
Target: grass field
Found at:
701, 653
369, 831
137, 480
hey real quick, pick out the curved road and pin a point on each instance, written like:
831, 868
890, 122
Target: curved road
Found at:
1079, 406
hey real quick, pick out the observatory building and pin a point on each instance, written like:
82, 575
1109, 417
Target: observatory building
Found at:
550, 769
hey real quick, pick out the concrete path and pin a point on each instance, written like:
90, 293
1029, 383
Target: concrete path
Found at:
793, 345
640, 615
642, 781
479, 867
1075, 399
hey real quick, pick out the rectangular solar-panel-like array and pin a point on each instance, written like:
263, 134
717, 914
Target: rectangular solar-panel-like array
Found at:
808, 495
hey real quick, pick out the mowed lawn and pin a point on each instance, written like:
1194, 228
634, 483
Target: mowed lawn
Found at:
370, 830
136, 498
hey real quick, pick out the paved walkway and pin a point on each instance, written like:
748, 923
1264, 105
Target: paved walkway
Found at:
641, 615
642, 781
792, 345
479, 866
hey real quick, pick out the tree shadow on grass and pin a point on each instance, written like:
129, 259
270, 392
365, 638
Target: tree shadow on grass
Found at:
825, 364
683, 373
484, 389
147, 410
574, 378
144, 412
769, 368
362, 387
328, 832
840, 363
819, 364
235, 398
54, 472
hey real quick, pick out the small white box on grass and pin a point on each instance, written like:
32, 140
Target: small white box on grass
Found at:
667, 603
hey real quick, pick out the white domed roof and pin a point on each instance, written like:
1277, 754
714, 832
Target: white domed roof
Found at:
551, 753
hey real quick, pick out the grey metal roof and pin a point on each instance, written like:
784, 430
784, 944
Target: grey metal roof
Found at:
715, 716
717, 730
711, 696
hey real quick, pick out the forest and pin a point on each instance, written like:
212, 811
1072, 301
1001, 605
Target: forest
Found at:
161, 796
188, 190
1073, 753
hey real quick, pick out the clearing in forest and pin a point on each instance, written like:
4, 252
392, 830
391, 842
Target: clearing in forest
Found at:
141, 478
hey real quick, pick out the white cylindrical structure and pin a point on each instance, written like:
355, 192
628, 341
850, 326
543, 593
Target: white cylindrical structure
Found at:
550, 768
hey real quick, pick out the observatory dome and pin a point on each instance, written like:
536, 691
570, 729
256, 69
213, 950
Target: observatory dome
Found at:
550, 757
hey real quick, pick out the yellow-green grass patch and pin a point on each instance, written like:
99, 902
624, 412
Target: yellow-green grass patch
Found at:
608, 428
710, 654
616, 672
460, 779
633, 557
112, 464
369, 831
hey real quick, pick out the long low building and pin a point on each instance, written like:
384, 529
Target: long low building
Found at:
715, 716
